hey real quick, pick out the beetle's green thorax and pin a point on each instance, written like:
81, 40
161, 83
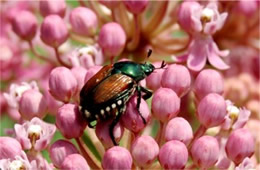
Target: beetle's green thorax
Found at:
136, 71
147, 68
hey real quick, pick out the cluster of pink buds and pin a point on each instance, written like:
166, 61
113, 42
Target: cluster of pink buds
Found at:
204, 112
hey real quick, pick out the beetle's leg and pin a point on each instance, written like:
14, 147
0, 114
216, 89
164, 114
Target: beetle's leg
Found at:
139, 96
90, 126
147, 92
113, 124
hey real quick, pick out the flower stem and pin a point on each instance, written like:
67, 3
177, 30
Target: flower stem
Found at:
112, 59
100, 148
192, 166
170, 41
160, 134
124, 20
156, 18
113, 14
59, 59
82, 39
136, 34
102, 17
40, 56
170, 22
91, 159
200, 131
82, 3
166, 26
168, 50
131, 139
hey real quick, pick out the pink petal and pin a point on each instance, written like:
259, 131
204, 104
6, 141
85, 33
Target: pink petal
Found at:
197, 57
242, 118
21, 136
179, 59
213, 6
210, 28
215, 60
222, 53
45, 139
221, 20
246, 164
226, 125
196, 24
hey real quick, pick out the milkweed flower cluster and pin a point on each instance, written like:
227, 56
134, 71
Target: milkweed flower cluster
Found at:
204, 112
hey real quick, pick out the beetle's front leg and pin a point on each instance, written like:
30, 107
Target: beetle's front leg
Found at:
139, 96
147, 93
113, 124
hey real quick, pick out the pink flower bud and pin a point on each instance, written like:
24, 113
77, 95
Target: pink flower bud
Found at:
60, 150
54, 31
208, 81
205, 151
102, 132
74, 161
185, 18
70, 121
91, 72
165, 104
132, 119
25, 25
136, 6
62, 84
178, 129
110, 3
14, 114
117, 158
177, 78
247, 8
212, 110
240, 144
83, 21
32, 104
144, 151
9, 148
48, 7
153, 81
80, 74
112, 39
173, 155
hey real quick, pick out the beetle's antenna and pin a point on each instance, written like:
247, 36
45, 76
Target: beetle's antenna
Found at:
162, 65
149, 53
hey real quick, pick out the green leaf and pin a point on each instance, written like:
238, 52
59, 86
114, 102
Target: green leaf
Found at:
72, 3
5, 123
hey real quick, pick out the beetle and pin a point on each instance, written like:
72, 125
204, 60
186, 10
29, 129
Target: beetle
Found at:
105, 95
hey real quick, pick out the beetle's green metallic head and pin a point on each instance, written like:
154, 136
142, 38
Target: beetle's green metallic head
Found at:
147, 68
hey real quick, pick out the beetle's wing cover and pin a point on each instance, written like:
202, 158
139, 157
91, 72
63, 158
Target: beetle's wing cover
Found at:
95, 80
112, 87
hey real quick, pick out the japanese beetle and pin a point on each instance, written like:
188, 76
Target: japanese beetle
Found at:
105, 95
